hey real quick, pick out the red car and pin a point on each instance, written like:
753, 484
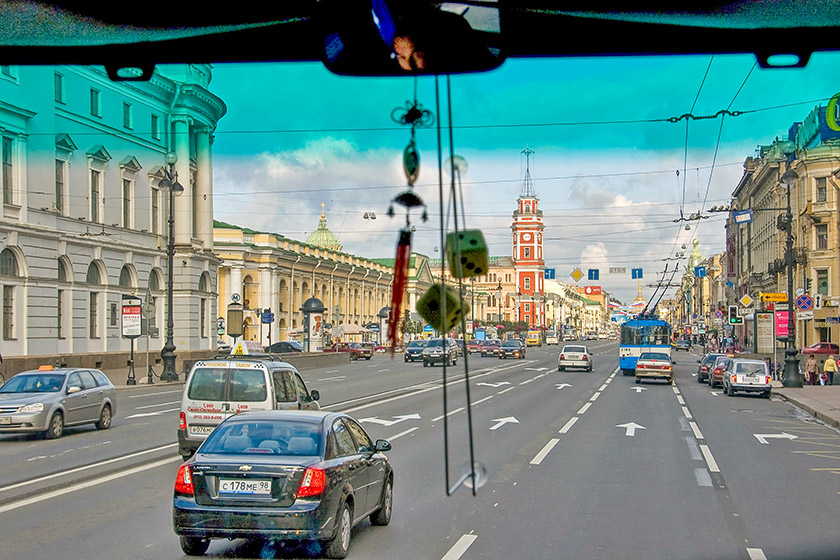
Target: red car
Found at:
716, 371
822, 348
473, 345
353, 348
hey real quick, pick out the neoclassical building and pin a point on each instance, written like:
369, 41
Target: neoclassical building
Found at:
84, 218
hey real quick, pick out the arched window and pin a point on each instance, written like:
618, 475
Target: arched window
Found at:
8, 263
63, 270
93, 276
204, 283
126, 280
154, 281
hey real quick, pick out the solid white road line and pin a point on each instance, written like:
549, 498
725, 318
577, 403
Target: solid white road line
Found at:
756, 554
710, 460
156, 405
85, 467
153, 394
544, 451
81, 486
401, 434
460, 547
565, 429
450, 413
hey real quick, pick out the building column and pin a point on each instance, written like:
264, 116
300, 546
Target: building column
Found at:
204, 188
183, 204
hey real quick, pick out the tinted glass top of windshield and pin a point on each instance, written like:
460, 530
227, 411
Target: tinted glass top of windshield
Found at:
40, 383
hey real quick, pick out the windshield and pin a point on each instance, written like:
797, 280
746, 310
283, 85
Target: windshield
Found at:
259, 198
40, 383
266, 438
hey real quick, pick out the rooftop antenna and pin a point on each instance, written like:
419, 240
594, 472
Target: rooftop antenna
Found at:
527, 183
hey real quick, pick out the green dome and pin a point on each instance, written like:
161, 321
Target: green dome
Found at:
323, 237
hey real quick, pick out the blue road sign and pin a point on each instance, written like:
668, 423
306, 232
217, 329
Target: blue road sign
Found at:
804, 302
550, 273
593, 274
637, 273
699, 271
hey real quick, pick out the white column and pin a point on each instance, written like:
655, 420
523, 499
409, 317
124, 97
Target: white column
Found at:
183, 203
204, 188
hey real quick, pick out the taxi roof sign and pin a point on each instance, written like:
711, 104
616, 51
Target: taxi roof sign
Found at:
246, 347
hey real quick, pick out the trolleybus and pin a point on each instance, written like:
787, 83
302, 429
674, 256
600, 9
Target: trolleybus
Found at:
643, 334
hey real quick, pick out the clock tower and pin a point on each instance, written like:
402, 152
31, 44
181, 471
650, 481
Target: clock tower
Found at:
528, 261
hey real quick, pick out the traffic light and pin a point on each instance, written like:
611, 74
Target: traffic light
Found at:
807, 285
734, 318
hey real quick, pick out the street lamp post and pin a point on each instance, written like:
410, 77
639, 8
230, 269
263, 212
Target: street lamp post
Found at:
499, 299
791, 377
170, 181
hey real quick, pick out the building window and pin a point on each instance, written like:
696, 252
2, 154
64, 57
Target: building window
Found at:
93, 321
203, 317
527, 252
527, 307
59, 88
526, 283
7, 70
8, 312
95, 103
155, 210
527, 208
821, 189
155, 127
128, 116
59, 186
8, 171
127, 188
822, 236
60, 314
822, 281
95, 180
8, 264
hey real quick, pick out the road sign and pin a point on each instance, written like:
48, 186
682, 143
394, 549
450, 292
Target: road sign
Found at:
718, 314
746, 301
576, 275
636, 273
804, 302
742, 216
778, 297
593, 274
618, 270
267, 318
804, 315
550, 273
592, 290
833, 320
699, 271
780, 307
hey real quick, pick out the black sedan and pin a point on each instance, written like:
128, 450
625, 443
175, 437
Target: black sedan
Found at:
511, 349
284, 475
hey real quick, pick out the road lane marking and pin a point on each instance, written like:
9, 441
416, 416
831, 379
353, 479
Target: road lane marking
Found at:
584, 408
460, 547
604, 386
450, 413
158, 413
153, 394
680, 399
155, 405
687, 413
565, 429
703, 477
756, 554
482, 400
82, 485
401, 434
710, 460
676, 390
506, 390
697, 433
544, 451
594, 397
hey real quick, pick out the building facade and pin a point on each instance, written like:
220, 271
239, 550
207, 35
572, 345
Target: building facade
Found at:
84, 219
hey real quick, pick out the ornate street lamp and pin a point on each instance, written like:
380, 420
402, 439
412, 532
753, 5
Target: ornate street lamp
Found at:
791, 376
499, 299
170, 182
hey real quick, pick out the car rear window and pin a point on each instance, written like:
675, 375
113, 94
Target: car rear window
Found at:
208, 384
247, 385
654, 356
579, 349
280, 437
747, 368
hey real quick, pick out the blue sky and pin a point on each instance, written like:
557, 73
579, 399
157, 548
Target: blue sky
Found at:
296, 136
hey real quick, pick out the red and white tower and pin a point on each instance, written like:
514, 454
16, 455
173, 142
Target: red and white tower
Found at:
528, 262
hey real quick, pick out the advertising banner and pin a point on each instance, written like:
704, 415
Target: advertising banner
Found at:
781, 323
764, 339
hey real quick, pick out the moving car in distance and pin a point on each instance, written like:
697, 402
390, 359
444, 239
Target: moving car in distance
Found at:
574, 357
46, 400
474, 345
414, 350
436, 352
512, 349
551, 338
353, 348
821, 348
705, 366
285, 346
682, 344
654, 365
490, 347
716, 371
285, 475
533, 338
750, 376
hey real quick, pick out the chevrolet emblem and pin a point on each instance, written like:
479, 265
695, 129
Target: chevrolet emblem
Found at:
245, 468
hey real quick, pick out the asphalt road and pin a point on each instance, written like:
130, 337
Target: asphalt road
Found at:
574, 464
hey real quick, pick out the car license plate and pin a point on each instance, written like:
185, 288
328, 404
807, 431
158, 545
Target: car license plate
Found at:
5, 419
201, 430
244, 487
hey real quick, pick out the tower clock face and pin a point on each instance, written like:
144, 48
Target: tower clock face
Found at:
526, 237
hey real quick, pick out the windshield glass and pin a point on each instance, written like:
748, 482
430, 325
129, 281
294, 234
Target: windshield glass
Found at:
271, 438
38, 383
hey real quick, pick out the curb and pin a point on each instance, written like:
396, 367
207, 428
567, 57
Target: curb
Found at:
830, 420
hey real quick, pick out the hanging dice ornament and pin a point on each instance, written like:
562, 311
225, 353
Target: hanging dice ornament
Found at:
467, 253
431, 308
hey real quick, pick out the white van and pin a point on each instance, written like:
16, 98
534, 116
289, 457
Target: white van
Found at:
218, 388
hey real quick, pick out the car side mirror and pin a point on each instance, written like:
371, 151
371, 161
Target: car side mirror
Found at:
74, 389
382, 445
315, 395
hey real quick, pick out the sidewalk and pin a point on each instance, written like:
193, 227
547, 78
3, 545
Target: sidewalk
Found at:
822, 402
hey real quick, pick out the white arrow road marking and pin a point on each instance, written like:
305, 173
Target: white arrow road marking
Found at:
494, 385
716, 393
630, 428
535, 368
502, 421
762, 438
158, 413
638, 389
397, 419
562, 385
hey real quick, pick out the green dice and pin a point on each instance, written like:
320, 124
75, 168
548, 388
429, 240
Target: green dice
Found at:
430, 308
467, 253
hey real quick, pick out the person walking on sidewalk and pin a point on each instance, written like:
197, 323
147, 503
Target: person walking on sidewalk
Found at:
829, 369
811, 370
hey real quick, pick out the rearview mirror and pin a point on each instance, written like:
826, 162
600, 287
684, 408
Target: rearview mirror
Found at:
315, 395
396, 38
74, 389
382, 445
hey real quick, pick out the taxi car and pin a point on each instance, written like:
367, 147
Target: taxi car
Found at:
46, 400
749, 376
654, 365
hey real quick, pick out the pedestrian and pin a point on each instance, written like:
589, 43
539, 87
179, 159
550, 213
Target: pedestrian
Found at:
829, 369
811, 370
822, 374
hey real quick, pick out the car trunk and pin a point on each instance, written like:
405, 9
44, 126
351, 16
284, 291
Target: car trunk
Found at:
236, 481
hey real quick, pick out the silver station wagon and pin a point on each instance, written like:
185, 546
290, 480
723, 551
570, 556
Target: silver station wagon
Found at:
45, 400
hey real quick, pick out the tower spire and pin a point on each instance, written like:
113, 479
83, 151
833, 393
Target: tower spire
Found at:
527, 183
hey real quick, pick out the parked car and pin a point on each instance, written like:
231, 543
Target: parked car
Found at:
285, 346
706, 364
750, 376
414, 350
682, 344
512, 348
717, 369
822, 348
436, 352
222, 346
283, 475
490, 347
654, 365
574, 357
353, 348
219, 388
46, 400
474, 345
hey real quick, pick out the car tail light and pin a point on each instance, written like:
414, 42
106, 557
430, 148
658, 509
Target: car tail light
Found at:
641, 366
733, 378
182, 421
183, 482
562, 357
767, 380
704, 368
313, 483
585, 357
